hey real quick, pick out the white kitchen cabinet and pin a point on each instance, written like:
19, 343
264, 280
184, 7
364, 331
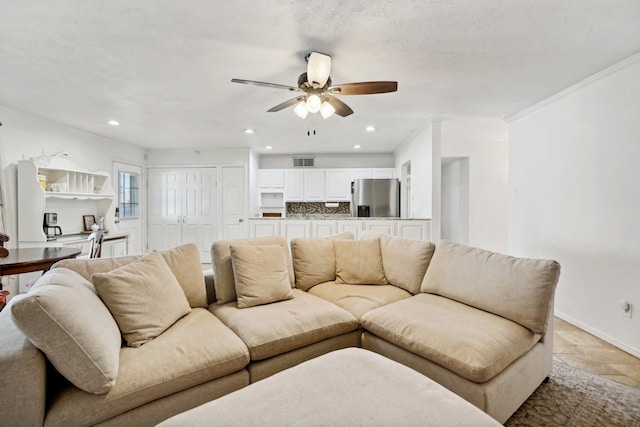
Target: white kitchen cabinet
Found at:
323, 228
416, 229
361, 173
292, 229
383, 173
271, 178
314, 185
265, 228
353, 226
337, 185
294, 185
383, 227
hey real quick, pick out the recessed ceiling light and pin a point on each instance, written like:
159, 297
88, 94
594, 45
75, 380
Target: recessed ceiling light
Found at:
268, 147
357, 146
113, 122
249, 131
370, 128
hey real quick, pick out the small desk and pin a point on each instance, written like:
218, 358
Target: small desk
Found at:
26, 260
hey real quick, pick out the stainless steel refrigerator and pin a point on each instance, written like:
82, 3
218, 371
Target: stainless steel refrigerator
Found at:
375, 198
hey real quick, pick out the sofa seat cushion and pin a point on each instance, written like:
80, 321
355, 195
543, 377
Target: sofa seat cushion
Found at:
359, 299
277, 328
472, 343
196, 349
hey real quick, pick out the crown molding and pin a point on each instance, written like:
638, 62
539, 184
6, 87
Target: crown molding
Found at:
575, 87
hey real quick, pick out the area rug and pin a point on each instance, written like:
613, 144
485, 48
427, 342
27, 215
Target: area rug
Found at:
573, 397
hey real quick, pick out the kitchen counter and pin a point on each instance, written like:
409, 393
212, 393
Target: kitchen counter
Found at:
319, 225
336, 218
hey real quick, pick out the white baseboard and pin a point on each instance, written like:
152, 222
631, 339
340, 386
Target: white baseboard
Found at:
597, 333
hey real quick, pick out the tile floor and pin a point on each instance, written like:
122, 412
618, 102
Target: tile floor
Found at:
582, 350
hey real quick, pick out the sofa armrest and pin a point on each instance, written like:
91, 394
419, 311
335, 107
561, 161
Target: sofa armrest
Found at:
209, 280
23, 378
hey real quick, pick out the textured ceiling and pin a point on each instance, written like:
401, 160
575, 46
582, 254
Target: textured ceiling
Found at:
163, 68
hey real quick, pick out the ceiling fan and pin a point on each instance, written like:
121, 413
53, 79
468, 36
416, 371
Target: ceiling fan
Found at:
318, 91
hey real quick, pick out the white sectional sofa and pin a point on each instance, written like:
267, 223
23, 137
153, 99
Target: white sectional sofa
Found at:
477, 322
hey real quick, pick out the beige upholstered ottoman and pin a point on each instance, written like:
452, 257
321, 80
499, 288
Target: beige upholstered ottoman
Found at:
350, 387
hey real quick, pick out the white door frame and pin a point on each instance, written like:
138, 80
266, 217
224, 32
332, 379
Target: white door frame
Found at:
119, 166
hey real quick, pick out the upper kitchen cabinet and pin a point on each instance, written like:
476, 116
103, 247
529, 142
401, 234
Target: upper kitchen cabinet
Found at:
337, 185
271, 179
271, 195
63, 188
383, 173
294, 185
304, 185
314, 185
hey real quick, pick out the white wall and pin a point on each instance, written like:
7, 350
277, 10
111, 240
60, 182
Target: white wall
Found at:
419, 150
204, 157
488, 187
23, 136
455, 200
359, 160
254, 161
573, 196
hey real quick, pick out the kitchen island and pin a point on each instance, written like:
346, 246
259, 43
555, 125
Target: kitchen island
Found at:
325, 225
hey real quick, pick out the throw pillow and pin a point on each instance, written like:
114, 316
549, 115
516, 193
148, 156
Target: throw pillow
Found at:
65, 319
314, 260
261, 274
405, 261
359, 262
223, 269
144, 297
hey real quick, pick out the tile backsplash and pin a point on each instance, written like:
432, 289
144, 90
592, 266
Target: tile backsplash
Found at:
311, 209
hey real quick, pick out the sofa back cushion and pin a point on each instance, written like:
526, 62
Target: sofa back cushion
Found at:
261, 274
314, 260
144, 297
359, 262
224, 282
183, 261
519, 289
405, 261
63, 317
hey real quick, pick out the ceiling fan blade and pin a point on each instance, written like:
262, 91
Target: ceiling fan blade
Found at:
264, 84
363, 88
286, 104
318, 69
342, 109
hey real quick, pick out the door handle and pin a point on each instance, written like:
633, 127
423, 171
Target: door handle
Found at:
240, 220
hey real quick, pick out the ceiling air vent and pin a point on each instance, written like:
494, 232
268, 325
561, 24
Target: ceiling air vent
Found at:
304, 162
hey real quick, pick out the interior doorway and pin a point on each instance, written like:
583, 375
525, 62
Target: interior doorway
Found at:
455, 199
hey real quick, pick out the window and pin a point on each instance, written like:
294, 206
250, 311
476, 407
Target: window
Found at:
128, 195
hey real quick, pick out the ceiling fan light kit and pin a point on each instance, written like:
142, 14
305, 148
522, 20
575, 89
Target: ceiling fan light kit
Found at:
319, 91
301, 110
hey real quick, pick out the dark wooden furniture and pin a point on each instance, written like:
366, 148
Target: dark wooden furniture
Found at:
25, 260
